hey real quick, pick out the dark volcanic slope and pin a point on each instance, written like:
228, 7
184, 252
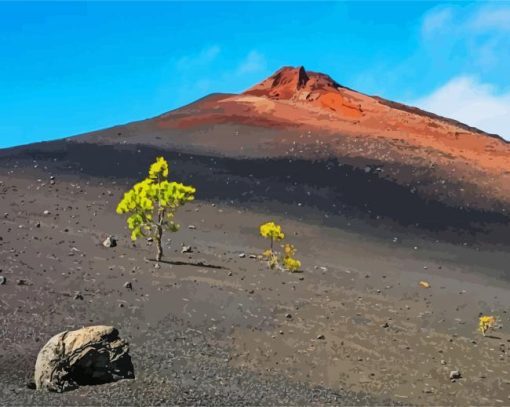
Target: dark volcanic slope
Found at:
299, 138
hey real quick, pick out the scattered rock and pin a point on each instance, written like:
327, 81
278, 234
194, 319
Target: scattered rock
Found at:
87, 356
128, 285
424, 284
3, 280
186, 249
455, 374
242, 255
110, 242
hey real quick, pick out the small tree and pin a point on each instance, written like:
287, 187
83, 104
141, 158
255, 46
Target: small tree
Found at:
152, 204
274, 232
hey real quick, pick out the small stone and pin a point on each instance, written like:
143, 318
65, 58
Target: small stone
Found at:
78, 296
128, 285
242, 255
229, 274
110, 242
385, 325
252, 256
3, 280
21, 282
321, 337
186, 249
288, 316
443, 362
455, 374
192, 227
46, 212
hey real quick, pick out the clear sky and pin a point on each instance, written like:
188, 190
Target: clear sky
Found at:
68, 68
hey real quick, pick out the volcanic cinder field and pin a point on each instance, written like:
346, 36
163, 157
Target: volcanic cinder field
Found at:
376, 196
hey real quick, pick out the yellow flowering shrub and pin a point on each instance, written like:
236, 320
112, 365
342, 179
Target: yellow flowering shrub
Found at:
152, 203
485, 323
274, 232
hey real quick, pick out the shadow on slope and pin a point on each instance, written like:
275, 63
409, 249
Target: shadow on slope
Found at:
327, 186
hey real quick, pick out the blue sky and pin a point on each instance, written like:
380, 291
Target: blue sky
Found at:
68, 68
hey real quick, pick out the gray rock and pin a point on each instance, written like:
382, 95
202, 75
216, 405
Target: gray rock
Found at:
455, 374
242, 255
87, 356
110, 242
3, 280
128, 285
186, 249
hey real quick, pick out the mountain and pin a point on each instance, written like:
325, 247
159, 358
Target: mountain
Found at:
300, 136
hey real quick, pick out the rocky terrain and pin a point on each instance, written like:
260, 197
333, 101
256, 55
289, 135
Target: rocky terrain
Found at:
372, 214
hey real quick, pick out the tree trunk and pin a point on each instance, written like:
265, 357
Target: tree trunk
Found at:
159, 233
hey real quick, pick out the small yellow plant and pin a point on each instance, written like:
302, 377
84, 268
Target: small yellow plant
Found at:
152, 203
485, 323
289, 262
274, 232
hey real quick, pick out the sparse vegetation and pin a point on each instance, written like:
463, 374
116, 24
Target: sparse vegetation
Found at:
485, 323
286, 260
152, 204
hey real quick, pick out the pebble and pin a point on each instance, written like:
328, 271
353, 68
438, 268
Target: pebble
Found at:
110, 242
455, 374
128, 285
186, 249
3, 280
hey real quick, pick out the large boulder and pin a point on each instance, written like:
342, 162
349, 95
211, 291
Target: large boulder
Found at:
87, 356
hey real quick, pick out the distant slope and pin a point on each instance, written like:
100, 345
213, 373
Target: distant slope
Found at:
341, 148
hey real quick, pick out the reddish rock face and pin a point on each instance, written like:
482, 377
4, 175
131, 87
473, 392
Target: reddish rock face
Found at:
296, 84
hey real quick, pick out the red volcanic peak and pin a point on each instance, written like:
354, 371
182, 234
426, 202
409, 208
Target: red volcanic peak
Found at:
293, 83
